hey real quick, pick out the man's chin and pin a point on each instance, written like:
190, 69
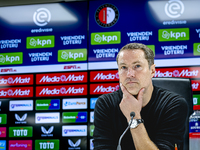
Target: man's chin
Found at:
133, 92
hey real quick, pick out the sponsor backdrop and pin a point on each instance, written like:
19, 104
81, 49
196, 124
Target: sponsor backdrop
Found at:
57, 58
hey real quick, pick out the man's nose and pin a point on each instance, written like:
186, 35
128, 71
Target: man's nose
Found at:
131, 73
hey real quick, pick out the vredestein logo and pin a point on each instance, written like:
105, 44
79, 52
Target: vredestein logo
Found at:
11, 58
178, 34
42, 17
105, 38
72, 55
107, 15
40, 42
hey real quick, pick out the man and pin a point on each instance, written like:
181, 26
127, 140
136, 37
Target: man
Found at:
161, 114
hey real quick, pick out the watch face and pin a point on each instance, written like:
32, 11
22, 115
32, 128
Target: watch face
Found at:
134, 123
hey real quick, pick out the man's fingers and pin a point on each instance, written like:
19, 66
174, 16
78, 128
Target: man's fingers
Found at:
140, 94
124, 90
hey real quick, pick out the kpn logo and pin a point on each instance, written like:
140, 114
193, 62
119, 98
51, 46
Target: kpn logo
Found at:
177, 34
72, 55
196, 49
40, 42
11, 58
105, 38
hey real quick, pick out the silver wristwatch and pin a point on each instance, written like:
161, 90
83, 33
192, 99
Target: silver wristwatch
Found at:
135, 123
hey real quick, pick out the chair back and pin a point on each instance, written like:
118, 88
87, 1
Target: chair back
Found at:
181, 86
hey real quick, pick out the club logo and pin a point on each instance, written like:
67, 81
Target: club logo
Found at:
107, 15
47, 132
74, 146
20, 120
42, 17
174, 8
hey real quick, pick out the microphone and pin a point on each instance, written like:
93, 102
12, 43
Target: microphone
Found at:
132, 114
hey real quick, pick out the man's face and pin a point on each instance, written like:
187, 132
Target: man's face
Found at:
134, 71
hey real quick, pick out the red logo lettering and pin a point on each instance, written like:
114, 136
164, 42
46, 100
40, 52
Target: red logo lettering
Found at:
72, 67
65, 90
59, 78
193, 72
195, 85
8, 70
103, 88
16, 80
16, 92
106, 76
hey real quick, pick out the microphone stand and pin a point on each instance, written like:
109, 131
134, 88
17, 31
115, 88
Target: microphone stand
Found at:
132, 114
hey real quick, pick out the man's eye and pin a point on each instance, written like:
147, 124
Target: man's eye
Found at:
137, 66
123, 67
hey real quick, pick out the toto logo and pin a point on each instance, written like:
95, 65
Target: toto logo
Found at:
174, 8
41, 17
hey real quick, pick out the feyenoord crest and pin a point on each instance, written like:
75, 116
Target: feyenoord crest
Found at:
106, 15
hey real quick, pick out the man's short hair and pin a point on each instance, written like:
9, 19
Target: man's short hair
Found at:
149, 55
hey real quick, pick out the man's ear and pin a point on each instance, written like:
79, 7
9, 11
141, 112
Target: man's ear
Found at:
153, 70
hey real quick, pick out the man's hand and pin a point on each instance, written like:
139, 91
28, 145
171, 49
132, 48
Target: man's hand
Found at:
129, 103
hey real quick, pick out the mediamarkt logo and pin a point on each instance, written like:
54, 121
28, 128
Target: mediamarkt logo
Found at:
61, 78
105, 76
178, 34
16, 92
61, 90
40, 42
16, 80
104, 88
192, 72
105, 38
